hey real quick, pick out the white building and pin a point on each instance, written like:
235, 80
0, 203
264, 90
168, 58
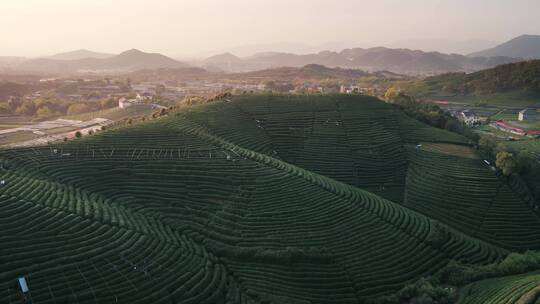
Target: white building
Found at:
528, 115
469, 117
125, 103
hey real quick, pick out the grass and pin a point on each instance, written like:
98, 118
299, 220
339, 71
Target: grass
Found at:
16, 137
114, 113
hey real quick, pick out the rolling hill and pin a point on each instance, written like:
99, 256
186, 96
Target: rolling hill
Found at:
264, 199
525, 46
401, 61
520, 76
311, 72
80, 54
128, 61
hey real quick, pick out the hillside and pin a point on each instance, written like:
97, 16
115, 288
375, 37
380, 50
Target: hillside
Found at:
520, 76
525, 46
312, 72
264, 199
128, 61
80, 54
511, 289
402, 61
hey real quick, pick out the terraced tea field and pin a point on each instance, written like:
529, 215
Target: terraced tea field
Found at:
520, 289
260, 200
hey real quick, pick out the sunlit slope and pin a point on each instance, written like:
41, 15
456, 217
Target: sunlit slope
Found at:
521, 289
358, 140
466, 194
170, 212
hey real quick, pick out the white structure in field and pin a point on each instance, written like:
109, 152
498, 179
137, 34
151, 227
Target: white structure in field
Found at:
126, 103
469, 117
528, 115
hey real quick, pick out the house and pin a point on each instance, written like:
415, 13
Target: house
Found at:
469, 117
528, 115
125, 103
349, 89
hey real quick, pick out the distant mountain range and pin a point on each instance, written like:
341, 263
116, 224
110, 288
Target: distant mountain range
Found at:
526, 46
313, 72
80, 54
290, 74
396, 60
127, 61
445, 46
402, 61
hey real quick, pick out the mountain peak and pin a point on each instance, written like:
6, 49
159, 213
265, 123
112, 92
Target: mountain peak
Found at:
132, 52
524, 46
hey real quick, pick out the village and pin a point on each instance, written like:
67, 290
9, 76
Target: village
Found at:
520, 122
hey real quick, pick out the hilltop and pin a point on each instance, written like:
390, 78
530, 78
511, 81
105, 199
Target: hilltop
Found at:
262, 199
525, 46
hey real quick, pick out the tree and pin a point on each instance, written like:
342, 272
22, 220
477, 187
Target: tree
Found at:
44, 112
108, 103
4, 109
391, 94
506, 162
78, 134
27, 108
78, 108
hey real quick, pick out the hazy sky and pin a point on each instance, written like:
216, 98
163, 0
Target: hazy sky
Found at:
186, 27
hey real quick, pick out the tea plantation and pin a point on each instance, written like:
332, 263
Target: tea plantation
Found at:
505, 290
264, 199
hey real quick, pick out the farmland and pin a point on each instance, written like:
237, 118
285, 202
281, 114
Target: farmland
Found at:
263, 199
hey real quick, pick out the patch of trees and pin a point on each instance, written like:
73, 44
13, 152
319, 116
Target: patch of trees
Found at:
428, 113
47, 107
194, 100
504, 78
517, 162
443, 287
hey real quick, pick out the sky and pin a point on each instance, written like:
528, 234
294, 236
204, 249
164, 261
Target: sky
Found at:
195, 27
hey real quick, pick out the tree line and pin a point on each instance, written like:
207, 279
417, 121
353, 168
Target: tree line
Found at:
511, 161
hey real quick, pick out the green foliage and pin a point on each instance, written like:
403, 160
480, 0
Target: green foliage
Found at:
432, 115
510, 77
458, 274
45, 112
78, 108
506, 162
27, 108
426, 291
